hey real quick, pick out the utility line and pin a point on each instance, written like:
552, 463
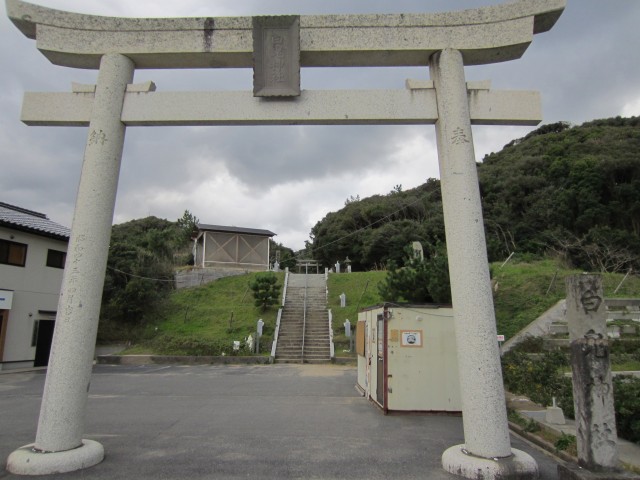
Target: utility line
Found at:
370, 225
139, 276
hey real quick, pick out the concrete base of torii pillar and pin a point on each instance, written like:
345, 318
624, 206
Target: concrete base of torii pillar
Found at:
518, 465
28, 461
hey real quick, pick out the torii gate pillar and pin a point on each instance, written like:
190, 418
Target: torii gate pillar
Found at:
59, 446
487, 448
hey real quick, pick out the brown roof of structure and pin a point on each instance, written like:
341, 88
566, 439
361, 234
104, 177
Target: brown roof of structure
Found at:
231, 229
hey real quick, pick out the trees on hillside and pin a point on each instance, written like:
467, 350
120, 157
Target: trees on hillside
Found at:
574, 191
571, 191
143, 254
419, 280
375, 230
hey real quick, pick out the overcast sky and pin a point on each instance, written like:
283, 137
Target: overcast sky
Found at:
286, 179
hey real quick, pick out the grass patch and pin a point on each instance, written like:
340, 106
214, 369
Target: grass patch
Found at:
207, 319
626, 366
523, 291
361, 290
561, 441
223, 311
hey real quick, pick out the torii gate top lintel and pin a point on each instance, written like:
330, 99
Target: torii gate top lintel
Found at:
483, 35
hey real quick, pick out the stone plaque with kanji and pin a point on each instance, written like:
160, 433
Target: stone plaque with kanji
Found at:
276, 56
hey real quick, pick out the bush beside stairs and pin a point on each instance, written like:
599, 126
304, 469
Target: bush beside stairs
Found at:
317, 349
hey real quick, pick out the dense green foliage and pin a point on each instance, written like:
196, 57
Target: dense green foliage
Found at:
626, 396
265, 290
540, 377
419, 280
143, 255
569, 191
375, 230
574, 191
285, 256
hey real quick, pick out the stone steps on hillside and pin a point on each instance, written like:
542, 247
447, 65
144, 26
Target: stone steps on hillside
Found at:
293, 325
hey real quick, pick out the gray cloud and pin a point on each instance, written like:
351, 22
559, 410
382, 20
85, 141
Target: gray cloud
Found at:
288, 178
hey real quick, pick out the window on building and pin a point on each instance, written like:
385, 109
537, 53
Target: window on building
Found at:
13, 253
56, 258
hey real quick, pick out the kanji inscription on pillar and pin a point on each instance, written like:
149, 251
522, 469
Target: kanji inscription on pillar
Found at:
276, 56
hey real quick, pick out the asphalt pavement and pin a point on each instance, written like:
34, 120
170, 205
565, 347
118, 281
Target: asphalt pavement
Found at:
232, 422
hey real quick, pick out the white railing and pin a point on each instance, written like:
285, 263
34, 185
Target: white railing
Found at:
277, 331
284, 289
332, 348
275, 336
304, 314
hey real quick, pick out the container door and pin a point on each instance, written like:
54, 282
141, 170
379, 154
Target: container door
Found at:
380, 360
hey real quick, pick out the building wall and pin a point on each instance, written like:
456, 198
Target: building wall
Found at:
232, 251
36, 289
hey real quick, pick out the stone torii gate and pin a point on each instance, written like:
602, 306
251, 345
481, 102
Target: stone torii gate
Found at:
276, 47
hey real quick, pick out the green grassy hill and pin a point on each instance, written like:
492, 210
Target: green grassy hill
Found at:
206, 320
525, 290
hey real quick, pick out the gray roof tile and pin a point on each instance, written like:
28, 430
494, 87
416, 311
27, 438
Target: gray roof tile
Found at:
30, 221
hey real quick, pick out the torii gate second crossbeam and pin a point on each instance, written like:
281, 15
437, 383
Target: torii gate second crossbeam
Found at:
117, 46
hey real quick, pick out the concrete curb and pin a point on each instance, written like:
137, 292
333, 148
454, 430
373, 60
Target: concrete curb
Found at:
542, 443
344, 360
180, 360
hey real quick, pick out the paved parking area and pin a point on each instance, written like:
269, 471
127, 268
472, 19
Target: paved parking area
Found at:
232, 422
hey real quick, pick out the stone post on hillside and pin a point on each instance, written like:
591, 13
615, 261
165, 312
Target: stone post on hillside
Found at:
592, 385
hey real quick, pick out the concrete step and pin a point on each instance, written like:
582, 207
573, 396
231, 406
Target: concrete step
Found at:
317, 360
289, 354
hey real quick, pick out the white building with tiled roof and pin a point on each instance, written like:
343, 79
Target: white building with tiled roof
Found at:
32, 256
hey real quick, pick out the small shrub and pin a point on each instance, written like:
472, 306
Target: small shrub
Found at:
265, 290
536, 376
532, 426
531, 344
565, 442
539, 377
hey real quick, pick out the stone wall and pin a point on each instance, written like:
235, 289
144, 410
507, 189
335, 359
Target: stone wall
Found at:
195, 277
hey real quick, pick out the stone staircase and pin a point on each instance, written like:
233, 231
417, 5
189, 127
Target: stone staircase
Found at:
289, 348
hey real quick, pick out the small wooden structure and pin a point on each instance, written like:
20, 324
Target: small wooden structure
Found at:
219, 246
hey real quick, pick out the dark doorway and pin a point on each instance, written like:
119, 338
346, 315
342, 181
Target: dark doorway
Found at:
4, 320
43, 343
